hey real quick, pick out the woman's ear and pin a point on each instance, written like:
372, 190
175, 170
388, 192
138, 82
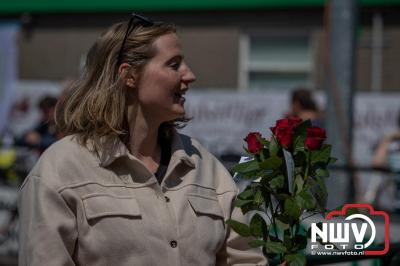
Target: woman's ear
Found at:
127, 74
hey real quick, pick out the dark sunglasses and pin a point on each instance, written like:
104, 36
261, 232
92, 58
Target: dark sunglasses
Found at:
134, 21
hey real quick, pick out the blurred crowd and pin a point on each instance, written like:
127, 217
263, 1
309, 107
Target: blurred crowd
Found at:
19, 152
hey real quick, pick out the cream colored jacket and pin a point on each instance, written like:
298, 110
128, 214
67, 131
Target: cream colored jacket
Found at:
79, 207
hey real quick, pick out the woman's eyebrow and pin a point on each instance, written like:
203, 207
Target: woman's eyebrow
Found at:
180, 57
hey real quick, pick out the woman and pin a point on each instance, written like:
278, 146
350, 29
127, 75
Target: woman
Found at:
123, 187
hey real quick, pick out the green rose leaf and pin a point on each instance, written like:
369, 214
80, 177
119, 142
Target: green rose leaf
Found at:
256, 243
296, 259
277, 182
299, 144
249, 207
332, 160
321, 172
287, 240
257, 224
240, 228
264, 142
240, 203
275, 247
248, 193
322, 155
305, 200
299, 182
267, 173
281, 224
319, 191
246, 167
292, 209
258, 198
273, 146
273, 162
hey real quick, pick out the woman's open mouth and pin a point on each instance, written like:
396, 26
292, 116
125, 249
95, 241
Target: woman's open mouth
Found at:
179, 98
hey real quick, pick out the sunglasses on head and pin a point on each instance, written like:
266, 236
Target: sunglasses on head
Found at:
134, 21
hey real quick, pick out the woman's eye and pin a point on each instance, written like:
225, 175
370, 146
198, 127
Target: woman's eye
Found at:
175, 65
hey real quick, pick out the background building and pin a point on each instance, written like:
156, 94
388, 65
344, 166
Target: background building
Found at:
235, 45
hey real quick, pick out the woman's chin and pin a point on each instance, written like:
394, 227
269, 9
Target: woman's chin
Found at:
180, 111
176, 115
180, 116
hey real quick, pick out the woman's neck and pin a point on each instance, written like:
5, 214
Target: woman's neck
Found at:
143, 139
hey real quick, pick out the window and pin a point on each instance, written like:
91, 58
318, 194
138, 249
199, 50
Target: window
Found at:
275, 61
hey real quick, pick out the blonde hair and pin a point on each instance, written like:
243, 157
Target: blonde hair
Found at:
94, 106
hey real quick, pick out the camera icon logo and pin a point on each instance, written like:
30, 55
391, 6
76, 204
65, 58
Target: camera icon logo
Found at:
336, 234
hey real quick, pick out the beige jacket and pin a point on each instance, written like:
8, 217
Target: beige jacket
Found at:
78, 207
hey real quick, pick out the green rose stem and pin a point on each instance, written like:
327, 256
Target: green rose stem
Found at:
273, 214
307, 164
266, 228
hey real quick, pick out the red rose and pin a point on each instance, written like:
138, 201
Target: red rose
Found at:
253, 142
284, 135
291, 121
315, 138
283, 130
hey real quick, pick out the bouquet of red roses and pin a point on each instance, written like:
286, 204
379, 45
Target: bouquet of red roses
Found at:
288, 171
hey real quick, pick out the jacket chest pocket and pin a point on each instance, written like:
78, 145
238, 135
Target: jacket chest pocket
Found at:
104, 205
113, 224
208, 220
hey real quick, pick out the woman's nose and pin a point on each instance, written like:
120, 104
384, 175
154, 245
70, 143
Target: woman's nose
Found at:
188, 76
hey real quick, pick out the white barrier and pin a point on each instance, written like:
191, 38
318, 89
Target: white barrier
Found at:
222, 119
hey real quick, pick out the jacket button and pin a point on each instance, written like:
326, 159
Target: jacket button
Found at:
173, 244
167, 199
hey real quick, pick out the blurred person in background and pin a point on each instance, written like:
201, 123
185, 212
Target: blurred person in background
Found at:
7, 135
303, 105
387, 153
12, 159
8, 156
44, 133
124, 187
387, 156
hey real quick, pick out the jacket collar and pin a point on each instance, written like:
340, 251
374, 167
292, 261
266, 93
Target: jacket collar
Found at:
112, 148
